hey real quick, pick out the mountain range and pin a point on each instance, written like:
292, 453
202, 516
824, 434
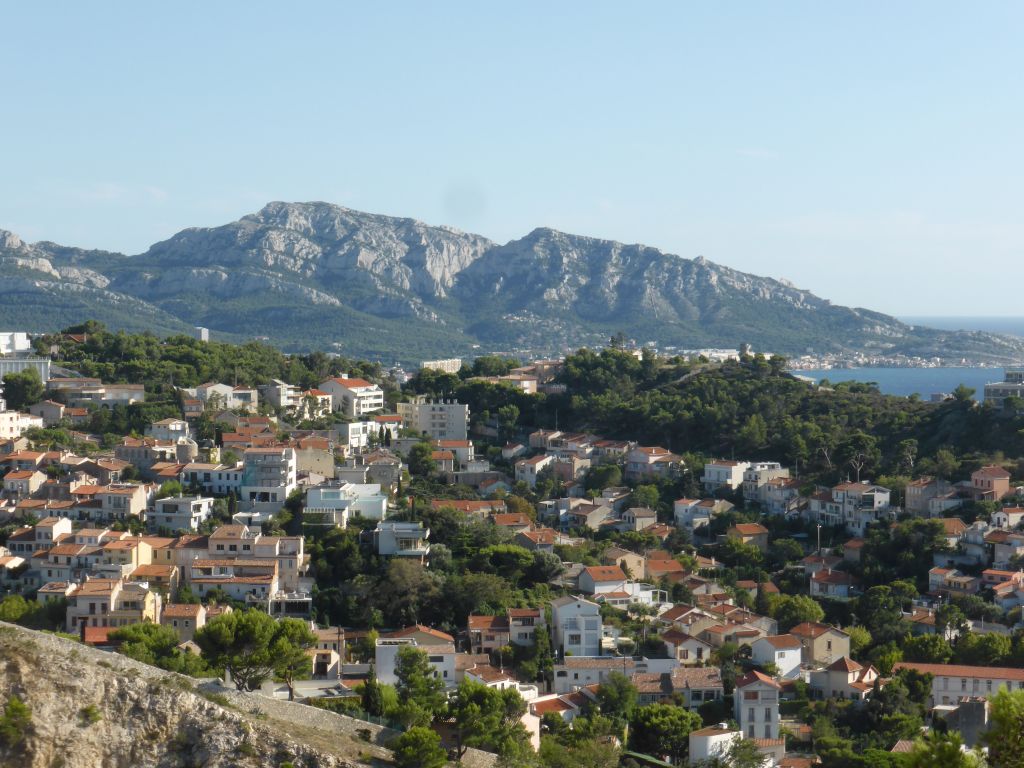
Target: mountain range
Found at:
319, 276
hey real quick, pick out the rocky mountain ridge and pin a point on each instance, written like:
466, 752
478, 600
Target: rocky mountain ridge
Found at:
315, 275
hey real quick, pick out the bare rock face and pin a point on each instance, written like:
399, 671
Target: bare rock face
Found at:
315, 276
92, 709
333, 245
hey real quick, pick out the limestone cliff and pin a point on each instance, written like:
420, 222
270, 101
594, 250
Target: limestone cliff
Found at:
319, 276
92, 709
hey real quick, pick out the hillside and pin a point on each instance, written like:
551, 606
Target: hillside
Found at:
314, 275
91, 708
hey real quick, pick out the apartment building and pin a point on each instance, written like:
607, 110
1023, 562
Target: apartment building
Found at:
439, 420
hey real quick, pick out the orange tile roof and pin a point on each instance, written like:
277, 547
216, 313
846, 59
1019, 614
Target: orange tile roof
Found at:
605, 573
963, 670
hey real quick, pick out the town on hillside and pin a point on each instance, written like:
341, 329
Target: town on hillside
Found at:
502, 555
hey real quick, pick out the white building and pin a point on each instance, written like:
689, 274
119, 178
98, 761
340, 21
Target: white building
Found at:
528, 469
451, 365
169, 429
282, 395
180, 513
226, 397
14, 423
1012, 385
441, 420
19, 364
221, 479
712, 742
577, 626
357, 435
398, 539
758, 475
951, 682
756, 706
268, 475
723, 474
575, 672
14, 342
854, 505
338, 503
783, 651
440, 654
353, 397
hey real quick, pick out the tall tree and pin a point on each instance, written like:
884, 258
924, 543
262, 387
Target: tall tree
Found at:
292, 640
419, 747
243, 644
23, 389
663, 729
1005, 737
419, 687
489, 719
617, 698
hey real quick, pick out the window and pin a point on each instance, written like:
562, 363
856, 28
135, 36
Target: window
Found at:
767, 731
767, 713
686, 653
751, 714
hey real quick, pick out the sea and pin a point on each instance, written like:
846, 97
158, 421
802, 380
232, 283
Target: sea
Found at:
908, 381
928, 381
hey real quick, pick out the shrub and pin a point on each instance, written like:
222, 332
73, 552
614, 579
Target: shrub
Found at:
15, 722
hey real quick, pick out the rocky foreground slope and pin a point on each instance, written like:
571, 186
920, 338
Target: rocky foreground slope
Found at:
92, 709
319, 276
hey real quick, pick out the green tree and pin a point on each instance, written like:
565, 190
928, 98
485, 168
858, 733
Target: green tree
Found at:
1005, 737
946, 463
880, 610
157, 645
508, 418
617, 698
240, 643
860, 640
927, 649
23, 389
646, 496
14, 608
791, 610
944, 749
488, 719
984, 650
753, 435
292, 639
963, 394
950, 621
170, 488
418, 747
372, 697
419, 687
663, 729
603, 476
421, 461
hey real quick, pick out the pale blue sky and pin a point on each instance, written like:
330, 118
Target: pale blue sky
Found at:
870, 151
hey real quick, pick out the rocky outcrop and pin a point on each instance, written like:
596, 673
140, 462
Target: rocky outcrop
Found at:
92, 709
314, 275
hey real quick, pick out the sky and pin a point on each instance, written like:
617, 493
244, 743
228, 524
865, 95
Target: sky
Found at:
870, 152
